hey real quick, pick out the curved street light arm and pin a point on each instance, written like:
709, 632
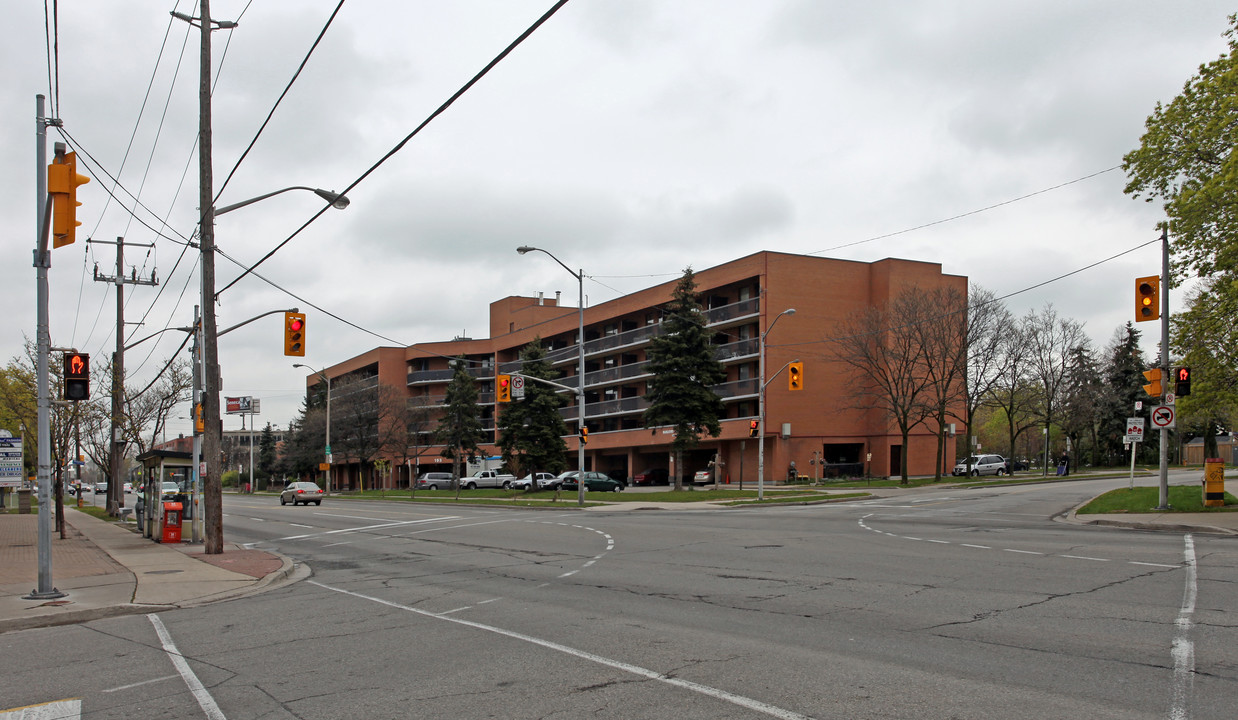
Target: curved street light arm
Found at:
338, 201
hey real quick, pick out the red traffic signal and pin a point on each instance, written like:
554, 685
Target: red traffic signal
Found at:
76, 376
1182, 381
754, 427
503, 388
294, 334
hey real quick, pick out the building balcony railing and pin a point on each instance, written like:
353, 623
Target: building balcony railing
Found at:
735, 311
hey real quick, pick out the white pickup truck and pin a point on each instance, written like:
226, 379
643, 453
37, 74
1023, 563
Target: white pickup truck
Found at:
488, 478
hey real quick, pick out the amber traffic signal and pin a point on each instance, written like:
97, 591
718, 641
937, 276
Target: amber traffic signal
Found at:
754, 428
795, 376
294, 334
584, 435
503, 387
1182, 381
1147, 298
76, 376
62, 182
1154, 377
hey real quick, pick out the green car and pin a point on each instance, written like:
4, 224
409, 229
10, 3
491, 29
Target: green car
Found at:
593, 481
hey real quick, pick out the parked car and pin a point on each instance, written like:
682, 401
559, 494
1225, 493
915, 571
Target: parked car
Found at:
434, 481
981, 465
169, 490
652, 476
593, 481
128, 488
703, 477
544, 480
299, 493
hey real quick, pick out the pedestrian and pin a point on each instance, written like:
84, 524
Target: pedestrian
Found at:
1065, 463
792, 474
1061, 465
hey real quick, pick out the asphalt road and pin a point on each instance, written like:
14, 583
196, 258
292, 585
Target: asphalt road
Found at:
951, 604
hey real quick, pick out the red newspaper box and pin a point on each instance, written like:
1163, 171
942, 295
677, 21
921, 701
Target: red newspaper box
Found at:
171, 522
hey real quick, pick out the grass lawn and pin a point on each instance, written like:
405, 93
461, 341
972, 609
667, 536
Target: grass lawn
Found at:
1182, 498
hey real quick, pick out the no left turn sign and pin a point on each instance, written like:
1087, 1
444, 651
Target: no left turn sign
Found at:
1163, 416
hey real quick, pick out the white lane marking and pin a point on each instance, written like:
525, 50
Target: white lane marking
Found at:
55, 710
1023, 552
483, 602
300, 525
982, 547
257, 520
940, 542
453, 527
369, 527
713, 692
1161, 565
140, 684
1183, 647
1084, 557
205, 701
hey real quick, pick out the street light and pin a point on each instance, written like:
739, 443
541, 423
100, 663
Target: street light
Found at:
337, 200
761, 407
328, 449
580, 371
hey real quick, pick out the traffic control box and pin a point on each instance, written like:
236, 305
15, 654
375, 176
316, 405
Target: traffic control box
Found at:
1214, 482
171, 523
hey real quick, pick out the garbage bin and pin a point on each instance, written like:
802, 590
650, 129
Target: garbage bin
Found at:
1214, 482
171, 522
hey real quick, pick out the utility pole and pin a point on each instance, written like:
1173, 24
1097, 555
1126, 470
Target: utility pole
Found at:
115, 489
1163, 495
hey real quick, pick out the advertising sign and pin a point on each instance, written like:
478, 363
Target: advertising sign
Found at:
239, 405
10, 461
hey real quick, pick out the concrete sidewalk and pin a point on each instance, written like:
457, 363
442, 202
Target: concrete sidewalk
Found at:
108, 569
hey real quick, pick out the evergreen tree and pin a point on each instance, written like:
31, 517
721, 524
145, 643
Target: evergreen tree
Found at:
685, 368
460, 428
1124, 387
531, 428
266, 457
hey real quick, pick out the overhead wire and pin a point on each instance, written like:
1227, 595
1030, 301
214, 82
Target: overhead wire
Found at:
400, 145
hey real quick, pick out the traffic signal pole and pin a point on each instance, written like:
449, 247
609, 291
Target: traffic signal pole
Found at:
1164, 468
42, 262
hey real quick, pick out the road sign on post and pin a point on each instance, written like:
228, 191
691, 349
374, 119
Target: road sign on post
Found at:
1134, 430
1163, 417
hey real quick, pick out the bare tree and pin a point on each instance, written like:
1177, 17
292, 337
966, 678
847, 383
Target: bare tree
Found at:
359, 417
882, 346
1050, 342
989, 325
941, 326
147, 409
409, 436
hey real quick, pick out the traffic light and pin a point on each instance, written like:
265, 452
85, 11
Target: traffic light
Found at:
754, 427
795, 376
1154, 377
294, 334
1182, 381
199, 420
503, 388
584, 435
62, 182
76, 376
1147, 298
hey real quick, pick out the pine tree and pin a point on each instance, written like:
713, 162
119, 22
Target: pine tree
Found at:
685, 368
460, 427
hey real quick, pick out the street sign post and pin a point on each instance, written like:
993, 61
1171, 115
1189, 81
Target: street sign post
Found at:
1163, 417
1134, 435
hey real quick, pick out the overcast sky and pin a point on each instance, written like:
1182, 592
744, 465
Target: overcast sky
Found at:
630, 138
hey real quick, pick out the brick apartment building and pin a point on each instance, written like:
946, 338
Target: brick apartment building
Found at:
815, 428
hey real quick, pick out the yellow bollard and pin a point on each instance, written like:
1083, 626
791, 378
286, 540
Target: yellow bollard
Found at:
1214, 482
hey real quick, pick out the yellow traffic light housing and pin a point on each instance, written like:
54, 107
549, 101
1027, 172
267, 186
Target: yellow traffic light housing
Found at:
62, 182
584, 435
754, 428
503, 388
1154, 386
294, 334
1147, 298
795, 376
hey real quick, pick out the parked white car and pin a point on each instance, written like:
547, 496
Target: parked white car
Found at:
544, 480
981, 465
